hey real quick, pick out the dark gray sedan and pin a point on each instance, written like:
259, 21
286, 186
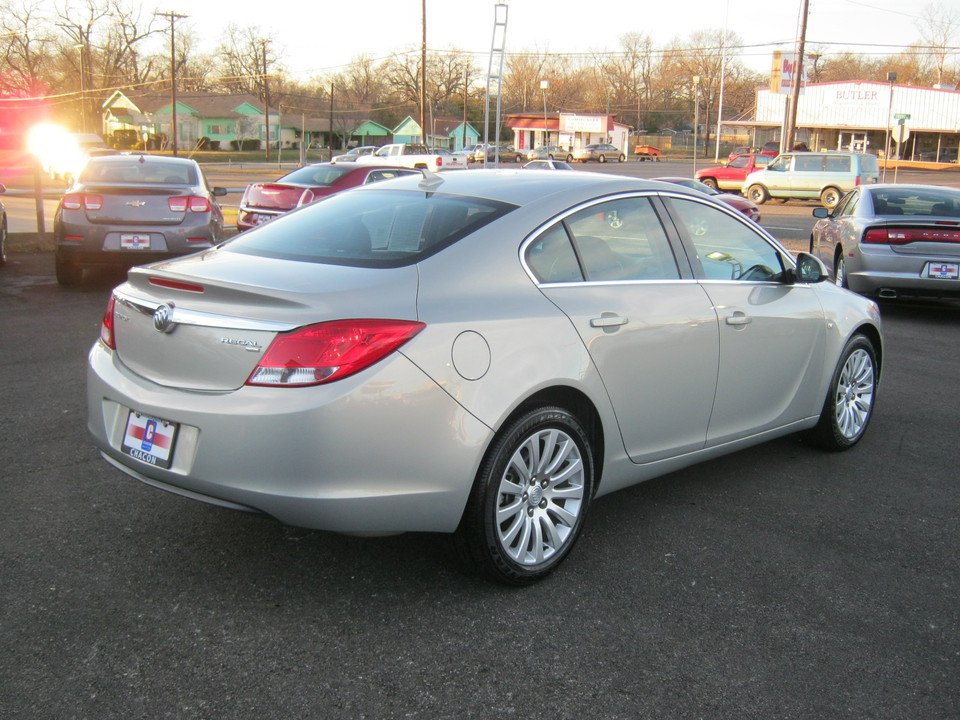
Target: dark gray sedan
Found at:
893, 240
127, 210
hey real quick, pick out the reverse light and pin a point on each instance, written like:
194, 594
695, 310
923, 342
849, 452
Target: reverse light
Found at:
107, 336
330, 351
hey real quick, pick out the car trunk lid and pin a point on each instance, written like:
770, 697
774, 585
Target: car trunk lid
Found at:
203, 323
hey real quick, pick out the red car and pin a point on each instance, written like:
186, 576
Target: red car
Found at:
732, 175
264, 201
737, 202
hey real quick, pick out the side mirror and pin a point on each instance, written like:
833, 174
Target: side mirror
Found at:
219, 191
821, 212
810, 269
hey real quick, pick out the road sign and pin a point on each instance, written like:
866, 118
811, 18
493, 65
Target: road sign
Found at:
901, 117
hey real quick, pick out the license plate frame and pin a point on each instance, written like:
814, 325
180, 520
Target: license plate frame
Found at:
150, 439
135, 241
942, 271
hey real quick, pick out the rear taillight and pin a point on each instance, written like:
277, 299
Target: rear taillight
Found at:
330, 351
439, 161
75, 201
196, 203
905, 236
106, 327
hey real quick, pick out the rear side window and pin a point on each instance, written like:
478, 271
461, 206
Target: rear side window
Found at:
619, 239
838, 163
372, 228
808, 163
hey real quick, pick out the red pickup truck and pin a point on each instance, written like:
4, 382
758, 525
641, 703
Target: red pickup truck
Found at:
732, 175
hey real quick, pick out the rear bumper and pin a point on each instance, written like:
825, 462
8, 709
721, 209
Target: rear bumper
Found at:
383, 451
882, 272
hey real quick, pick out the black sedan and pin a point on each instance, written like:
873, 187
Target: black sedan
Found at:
127, 210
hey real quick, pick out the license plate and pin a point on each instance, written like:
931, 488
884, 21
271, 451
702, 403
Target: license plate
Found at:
149, 439
943, 270
135, 242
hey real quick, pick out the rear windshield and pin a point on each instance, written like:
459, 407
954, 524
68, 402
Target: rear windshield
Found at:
370, 228
315, 175
134, 171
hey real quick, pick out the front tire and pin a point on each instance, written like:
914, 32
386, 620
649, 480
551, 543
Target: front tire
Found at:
530, 498
850, 399
3, 242
569, 158
710, 183
621, 158
758, 194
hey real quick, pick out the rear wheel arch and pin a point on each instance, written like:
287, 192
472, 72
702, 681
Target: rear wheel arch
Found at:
574, 402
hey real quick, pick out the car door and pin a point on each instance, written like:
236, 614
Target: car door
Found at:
772, 332
778, 175
649, 327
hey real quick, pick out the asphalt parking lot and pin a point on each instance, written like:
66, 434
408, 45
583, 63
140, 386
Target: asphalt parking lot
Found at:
780, 582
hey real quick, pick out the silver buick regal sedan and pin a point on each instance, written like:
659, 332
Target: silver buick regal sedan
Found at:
479, 353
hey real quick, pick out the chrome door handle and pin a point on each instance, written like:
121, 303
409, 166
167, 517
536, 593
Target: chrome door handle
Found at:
610, 320
738, 318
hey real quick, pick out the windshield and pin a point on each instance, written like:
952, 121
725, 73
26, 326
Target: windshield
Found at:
373, 228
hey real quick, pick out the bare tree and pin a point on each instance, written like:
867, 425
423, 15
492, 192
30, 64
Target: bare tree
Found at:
938, 25
26, 46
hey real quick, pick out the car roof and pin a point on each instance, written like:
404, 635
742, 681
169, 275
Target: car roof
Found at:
123, 158
521, 187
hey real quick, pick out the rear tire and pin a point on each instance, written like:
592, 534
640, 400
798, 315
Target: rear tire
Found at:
569, 158
830, 197
758, 194
840, 273
3, 242
603, 158
530, 498
68, 272
850, 399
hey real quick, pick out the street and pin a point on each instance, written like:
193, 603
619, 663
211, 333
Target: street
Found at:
779, 582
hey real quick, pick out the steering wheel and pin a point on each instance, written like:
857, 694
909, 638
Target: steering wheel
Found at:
757, 272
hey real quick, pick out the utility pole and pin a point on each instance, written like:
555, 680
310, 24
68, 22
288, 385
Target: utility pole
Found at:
423, 76
266, 102
790, 128
173, 17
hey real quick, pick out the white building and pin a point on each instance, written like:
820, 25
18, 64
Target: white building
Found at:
859, 116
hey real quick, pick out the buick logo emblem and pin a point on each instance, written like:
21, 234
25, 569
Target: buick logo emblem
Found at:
163, 318
136, 203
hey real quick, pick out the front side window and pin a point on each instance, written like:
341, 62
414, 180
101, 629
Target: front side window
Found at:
370, 228
727, 248
781, 164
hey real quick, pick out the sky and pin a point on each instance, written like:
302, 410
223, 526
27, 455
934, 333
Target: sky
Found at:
318, 38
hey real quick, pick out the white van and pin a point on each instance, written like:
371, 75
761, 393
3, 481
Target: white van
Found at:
805, 175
